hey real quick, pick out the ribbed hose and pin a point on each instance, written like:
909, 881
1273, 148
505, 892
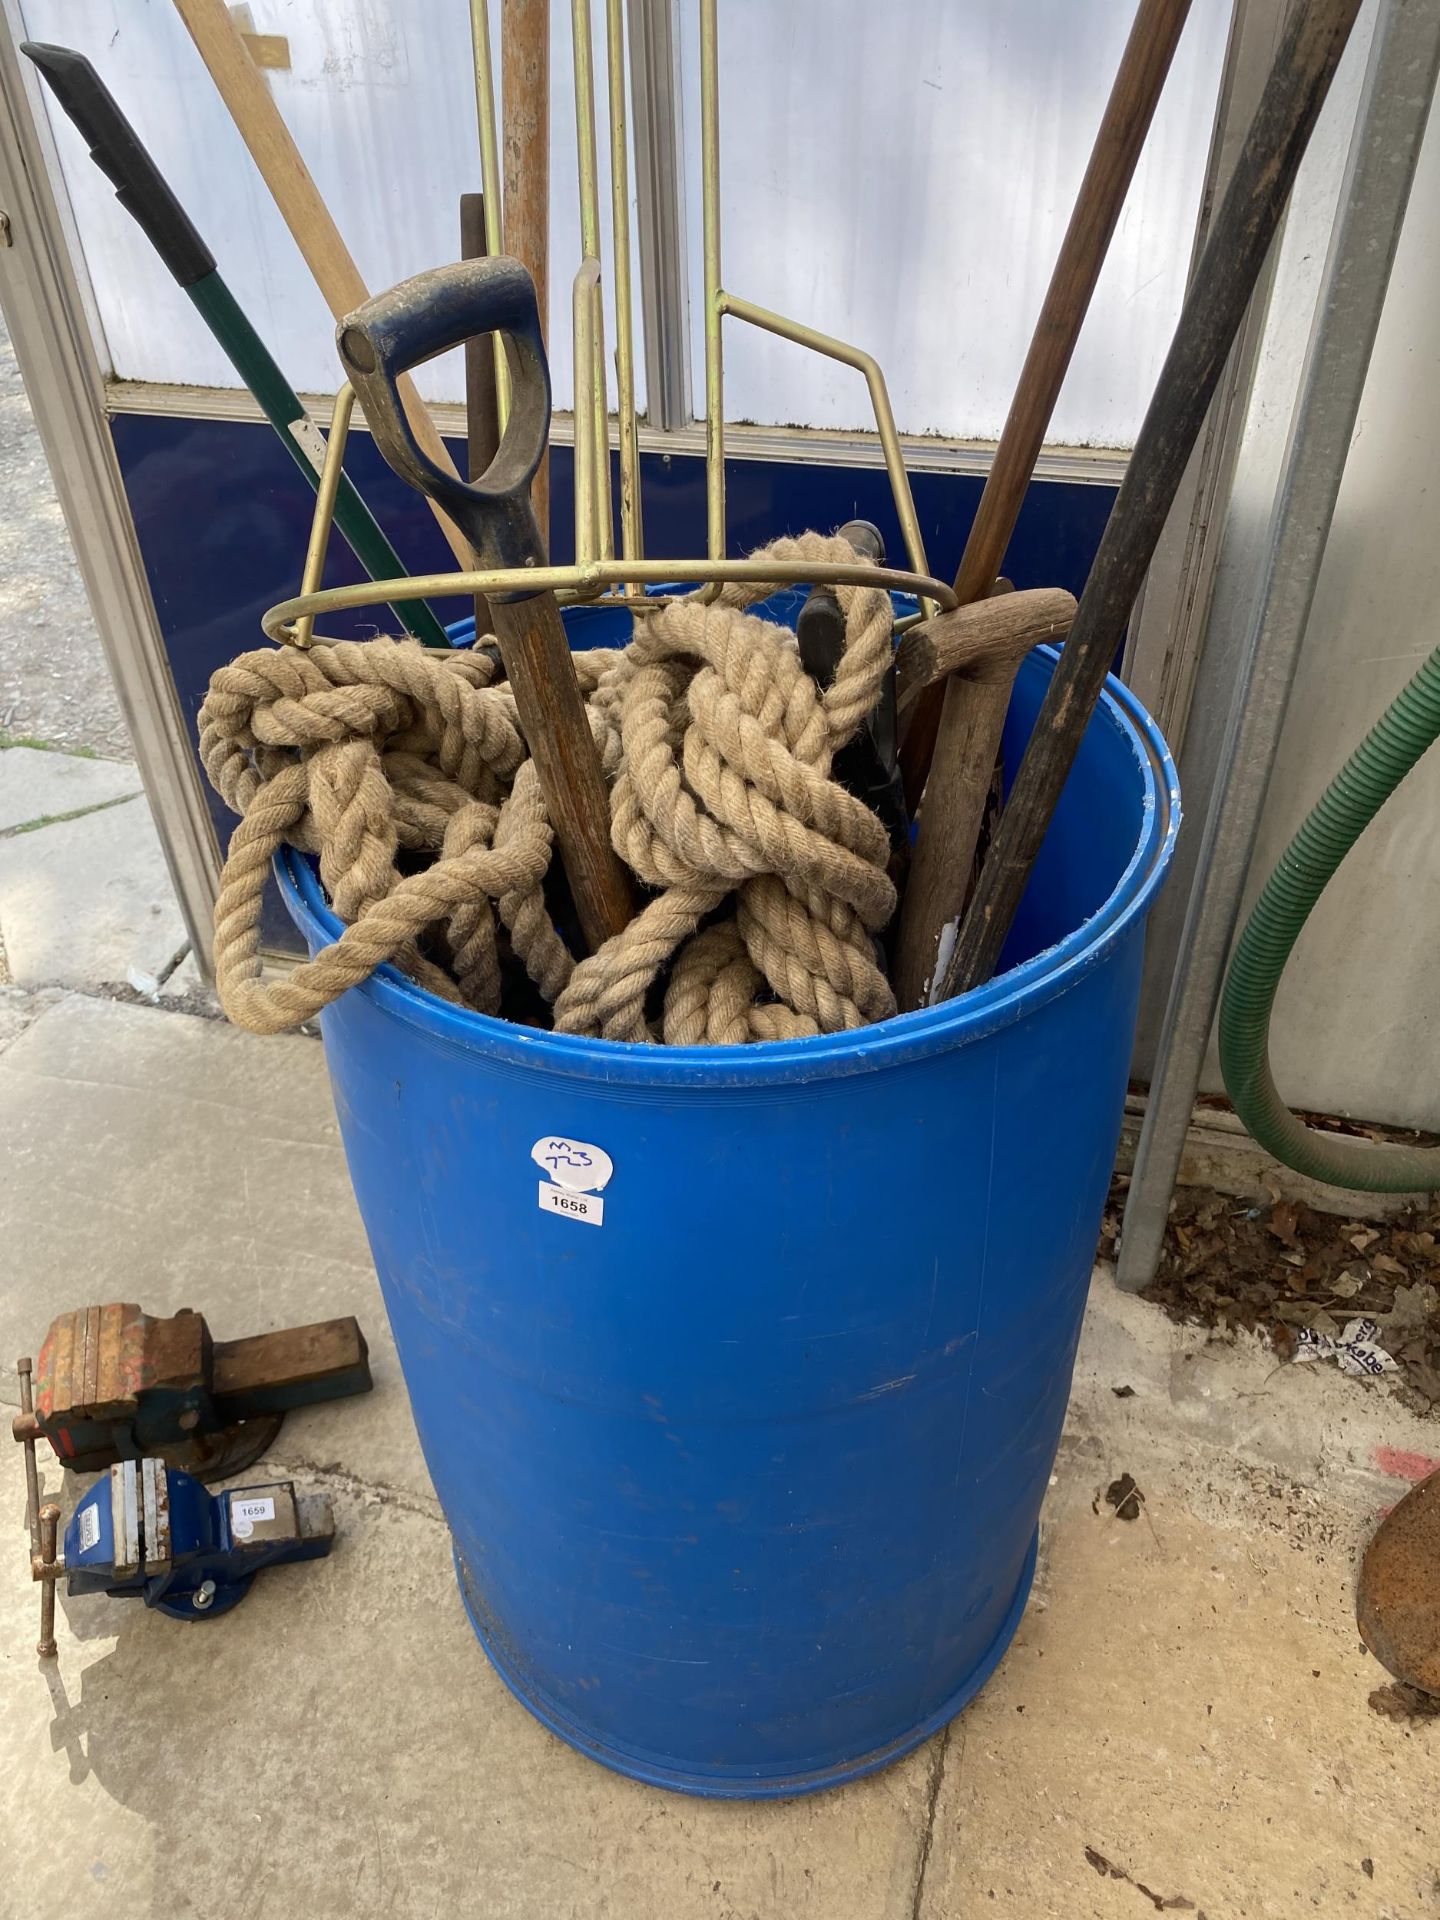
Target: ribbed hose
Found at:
1372, 773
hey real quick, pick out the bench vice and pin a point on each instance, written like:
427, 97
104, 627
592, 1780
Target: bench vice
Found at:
113, 1384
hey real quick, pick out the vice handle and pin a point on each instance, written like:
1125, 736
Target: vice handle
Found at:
116, 149
424, 316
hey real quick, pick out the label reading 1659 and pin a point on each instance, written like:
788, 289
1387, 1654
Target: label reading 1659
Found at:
573, 1206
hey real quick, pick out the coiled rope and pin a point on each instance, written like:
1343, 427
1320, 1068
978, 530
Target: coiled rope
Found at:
768, 879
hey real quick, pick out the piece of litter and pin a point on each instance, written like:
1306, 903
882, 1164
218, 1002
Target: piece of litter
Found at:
1355, 1350
142, 982
1125, 1497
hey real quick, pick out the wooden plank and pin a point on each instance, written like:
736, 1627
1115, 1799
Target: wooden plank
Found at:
242, 87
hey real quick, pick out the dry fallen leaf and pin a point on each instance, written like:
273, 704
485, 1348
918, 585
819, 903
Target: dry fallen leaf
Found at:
1283, 1220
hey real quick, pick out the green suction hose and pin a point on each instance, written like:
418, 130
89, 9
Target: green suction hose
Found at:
1409, 725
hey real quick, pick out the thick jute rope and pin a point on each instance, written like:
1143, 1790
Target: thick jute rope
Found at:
769, 880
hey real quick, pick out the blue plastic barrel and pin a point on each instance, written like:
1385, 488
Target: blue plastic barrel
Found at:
744, 1455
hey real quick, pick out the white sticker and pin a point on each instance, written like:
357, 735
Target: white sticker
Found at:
246, 1514
572, 1206
573, 1164
89, 1527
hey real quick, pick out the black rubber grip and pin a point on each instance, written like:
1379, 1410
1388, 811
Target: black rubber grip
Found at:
116, 149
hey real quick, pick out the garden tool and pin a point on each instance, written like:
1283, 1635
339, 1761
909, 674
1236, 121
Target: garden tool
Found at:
1224, 279
115, 1383
1134, 97
149, 1532
980, 647
1397, 1604
258, 121
116, 149
415, 320
865, 766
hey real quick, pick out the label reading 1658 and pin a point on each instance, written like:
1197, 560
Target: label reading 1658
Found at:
573, 1206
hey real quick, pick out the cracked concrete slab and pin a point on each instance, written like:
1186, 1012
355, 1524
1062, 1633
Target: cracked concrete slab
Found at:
36, 785
83, 901
1182, 1722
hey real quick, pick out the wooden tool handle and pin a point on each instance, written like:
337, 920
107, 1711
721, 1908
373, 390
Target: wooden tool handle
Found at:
975, 652
1241, 235
557, 731
1139, 80
247, 96
970, 639
525, 142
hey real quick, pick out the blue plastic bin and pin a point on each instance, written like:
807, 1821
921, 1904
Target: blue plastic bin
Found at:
744, 1475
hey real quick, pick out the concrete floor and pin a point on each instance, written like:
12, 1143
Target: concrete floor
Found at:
1181, 1724
55, 686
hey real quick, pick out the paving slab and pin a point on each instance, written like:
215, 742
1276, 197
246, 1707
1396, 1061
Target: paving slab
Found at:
1182, 1722
36, 785
84, 901
174, 1161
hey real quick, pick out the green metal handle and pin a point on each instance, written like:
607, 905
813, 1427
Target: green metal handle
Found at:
117, 150
282, 407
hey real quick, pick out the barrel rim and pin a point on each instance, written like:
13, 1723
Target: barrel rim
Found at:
899, 1041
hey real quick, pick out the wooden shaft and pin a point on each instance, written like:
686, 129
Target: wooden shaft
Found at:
979, 648
1128, 113
482, 402
567, 760
247, 97
525, 158
971, 638
1234, 255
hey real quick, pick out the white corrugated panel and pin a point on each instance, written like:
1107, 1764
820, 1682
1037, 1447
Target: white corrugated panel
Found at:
380, 98
901, 175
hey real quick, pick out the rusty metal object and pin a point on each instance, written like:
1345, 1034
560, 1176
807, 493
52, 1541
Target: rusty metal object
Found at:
44, 1568
1397, 1603
115, 1383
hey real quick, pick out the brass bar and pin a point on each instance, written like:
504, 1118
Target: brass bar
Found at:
490, 179
589, 170
885, 426
586, 546
49, 1545
632, 532
585, 582
714, 351
599, 407
325, 497
585, 129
